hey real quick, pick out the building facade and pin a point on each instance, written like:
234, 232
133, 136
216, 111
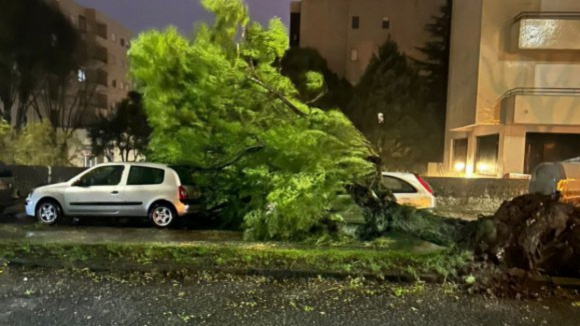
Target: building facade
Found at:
107, 42
514, 96
348, 32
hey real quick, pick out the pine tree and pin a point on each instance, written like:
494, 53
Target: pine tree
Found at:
436, 66
391, 87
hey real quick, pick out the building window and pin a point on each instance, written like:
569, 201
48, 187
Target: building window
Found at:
386, 23
82, 23
460, 155
355, 22
113, 37
353, 55
82, 75
486, 155
114, 83
122, 42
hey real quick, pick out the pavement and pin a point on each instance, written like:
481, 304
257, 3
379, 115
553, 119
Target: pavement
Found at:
46, 297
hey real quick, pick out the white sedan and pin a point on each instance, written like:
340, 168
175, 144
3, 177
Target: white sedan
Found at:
410, 189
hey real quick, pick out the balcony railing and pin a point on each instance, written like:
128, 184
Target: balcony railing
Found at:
547, 31
102, 30
541, 106
101, 54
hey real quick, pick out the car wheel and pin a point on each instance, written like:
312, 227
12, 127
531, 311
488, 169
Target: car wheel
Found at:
162, 215
48, 212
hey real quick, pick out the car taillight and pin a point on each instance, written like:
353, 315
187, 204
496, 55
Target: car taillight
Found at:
183, 193
424, 183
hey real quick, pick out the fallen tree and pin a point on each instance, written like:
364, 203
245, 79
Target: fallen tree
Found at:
532, 233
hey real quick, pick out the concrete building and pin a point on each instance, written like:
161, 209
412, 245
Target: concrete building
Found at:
348, 32
514, 96
107, 43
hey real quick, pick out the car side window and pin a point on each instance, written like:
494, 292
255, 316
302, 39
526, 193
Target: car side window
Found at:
140, 176
103, 176
397, 185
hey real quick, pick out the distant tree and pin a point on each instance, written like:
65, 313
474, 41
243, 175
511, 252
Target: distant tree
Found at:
31, 145
436, 66
125, 130
388, 108
36, 41
303, 66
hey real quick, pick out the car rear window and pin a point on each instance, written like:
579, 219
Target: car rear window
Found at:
140, 176
397, 185
185, 174
5, 172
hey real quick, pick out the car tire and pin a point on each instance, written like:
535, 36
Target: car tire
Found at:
162, 215
48, 212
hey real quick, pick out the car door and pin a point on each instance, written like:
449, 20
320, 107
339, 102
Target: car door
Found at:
97, 192
403, 191
143, 185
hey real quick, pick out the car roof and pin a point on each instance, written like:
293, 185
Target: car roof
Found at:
398, 174
143, 164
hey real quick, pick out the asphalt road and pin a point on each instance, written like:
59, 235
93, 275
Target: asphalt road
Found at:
47, 297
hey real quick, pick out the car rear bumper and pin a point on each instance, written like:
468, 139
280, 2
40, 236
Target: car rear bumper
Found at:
188, 208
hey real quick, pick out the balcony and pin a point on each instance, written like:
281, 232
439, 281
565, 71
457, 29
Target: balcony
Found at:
101, 54
546, 31
101, 30
102, 77
541, 106
101, 101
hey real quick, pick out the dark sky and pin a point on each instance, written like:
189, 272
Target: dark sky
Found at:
140, 15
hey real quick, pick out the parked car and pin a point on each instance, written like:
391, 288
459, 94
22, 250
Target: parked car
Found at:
160, 192
410, 189
7, 191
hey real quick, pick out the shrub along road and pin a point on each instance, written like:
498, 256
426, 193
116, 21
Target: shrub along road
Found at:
48, 297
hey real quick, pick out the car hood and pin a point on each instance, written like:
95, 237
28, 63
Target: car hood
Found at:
55, 186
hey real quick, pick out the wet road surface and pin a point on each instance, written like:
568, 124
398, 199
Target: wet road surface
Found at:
47, 297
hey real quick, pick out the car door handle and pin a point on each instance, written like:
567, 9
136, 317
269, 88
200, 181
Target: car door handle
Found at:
115, 192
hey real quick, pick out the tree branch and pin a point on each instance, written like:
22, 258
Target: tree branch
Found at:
281, 97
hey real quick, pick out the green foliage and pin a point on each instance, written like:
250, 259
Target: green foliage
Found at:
392, 87
315, 82
125, 130
210, 99
34, 145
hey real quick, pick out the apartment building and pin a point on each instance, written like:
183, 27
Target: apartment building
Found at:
514, 96
107, 42
348, 32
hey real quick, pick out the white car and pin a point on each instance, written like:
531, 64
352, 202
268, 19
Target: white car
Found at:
410, 189
157, 191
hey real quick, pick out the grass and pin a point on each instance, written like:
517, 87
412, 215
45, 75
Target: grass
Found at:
375, 261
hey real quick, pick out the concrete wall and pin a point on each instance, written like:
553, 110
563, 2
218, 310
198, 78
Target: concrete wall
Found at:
468, 198
27, 178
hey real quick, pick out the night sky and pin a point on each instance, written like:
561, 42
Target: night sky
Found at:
140, 15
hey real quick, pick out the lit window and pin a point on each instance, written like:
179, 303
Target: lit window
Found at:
355, 22
386, 23
82, 76
353, 55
